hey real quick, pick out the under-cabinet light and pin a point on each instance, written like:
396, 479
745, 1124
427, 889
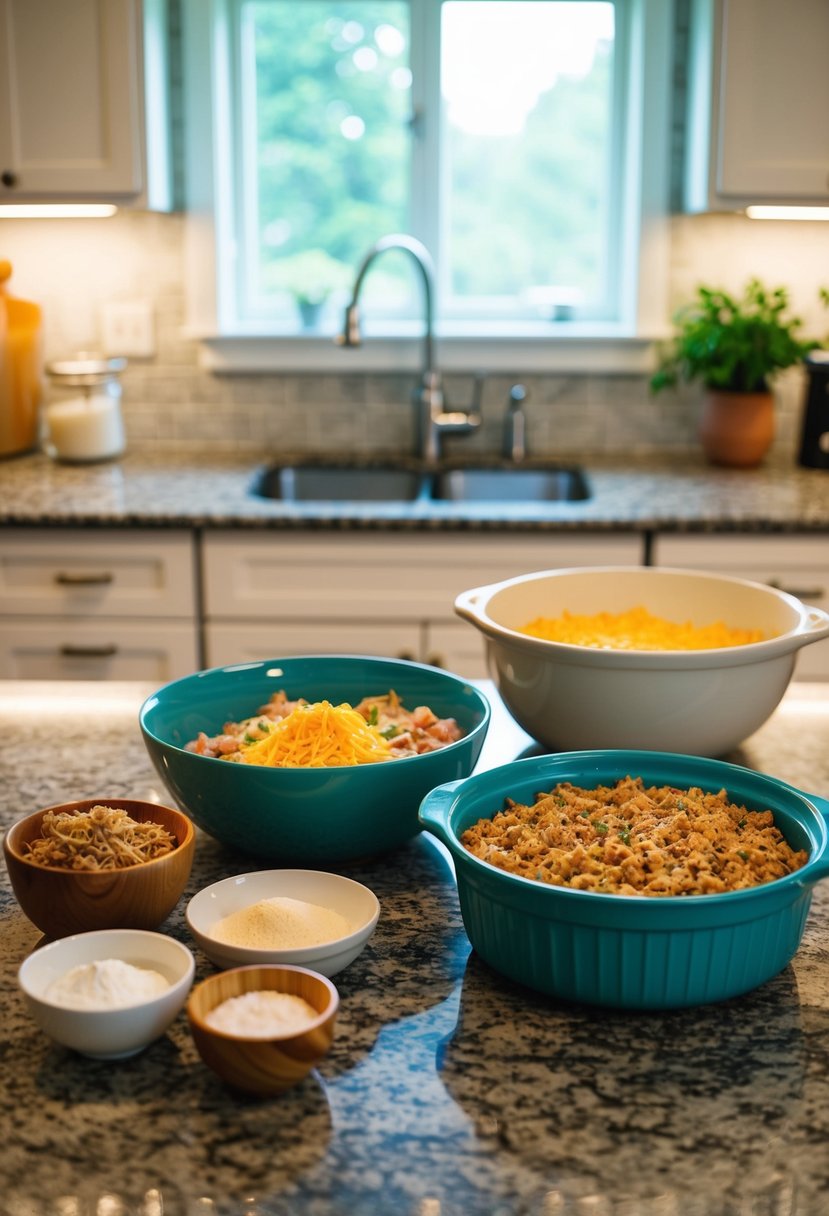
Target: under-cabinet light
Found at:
787, 213
56, 211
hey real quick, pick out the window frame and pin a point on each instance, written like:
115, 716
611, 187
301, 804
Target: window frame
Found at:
625, 345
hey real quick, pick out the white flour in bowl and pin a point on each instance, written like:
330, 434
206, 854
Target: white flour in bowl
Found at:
281, 923
107, 983
264, 1014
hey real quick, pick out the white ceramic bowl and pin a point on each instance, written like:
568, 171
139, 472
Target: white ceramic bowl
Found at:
701, 702
351, 899
107, 1034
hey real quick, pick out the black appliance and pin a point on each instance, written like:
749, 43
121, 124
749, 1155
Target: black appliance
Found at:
814, 439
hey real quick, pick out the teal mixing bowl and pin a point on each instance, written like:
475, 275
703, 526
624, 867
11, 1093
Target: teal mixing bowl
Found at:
630, 951
307, 816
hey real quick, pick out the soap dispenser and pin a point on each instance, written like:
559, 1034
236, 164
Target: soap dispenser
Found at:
515, 425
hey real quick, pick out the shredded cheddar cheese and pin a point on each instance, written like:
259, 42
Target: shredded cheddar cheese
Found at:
636, 629
319, 735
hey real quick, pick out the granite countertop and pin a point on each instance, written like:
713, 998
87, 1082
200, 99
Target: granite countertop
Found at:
201, 489
448, 1091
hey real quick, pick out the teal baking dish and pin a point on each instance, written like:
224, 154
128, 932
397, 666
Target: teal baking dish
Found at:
630, 951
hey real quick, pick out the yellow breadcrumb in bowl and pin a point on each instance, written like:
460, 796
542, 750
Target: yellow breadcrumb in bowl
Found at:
636, 629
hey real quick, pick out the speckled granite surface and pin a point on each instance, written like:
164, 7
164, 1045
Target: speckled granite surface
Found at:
448, 1092
149, 489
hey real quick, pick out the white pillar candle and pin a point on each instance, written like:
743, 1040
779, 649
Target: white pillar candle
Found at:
85, 428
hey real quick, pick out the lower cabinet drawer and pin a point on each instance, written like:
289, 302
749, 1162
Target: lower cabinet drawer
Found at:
247, 641
99, 650
85, 573
320, 577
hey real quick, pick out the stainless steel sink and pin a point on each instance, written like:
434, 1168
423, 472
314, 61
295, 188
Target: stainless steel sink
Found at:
339, 483
331, 483
511, 485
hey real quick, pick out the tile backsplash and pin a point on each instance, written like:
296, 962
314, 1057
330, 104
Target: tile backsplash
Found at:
171, 402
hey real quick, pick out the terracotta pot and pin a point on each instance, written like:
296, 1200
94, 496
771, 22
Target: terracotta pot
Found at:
737, 429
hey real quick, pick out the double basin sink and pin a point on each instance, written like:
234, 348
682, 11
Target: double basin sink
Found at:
341, 483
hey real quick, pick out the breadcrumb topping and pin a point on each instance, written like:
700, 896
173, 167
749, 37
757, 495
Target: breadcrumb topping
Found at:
625, 839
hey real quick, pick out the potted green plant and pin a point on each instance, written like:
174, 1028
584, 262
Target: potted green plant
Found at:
310, 276
734, 346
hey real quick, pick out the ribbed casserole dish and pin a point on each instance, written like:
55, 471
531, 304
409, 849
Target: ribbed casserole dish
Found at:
630, 951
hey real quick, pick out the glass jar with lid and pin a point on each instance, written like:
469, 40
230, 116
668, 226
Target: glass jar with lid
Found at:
83, 417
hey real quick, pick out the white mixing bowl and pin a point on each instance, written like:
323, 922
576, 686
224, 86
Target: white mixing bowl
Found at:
699, 702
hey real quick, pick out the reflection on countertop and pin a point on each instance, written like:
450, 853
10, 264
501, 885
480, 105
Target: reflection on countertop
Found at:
448, 1090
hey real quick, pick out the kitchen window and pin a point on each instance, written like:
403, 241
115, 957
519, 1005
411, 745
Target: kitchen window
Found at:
520, 140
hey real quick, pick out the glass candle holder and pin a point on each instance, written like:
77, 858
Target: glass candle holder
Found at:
83, 418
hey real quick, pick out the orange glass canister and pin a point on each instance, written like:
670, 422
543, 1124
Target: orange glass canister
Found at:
21, 370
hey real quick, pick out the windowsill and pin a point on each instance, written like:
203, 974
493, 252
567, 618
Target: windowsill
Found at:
565, 350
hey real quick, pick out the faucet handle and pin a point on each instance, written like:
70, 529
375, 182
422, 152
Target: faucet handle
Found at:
472, 414
477, 395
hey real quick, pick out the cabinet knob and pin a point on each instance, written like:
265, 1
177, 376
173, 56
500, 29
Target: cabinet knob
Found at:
8, 178
405, 654
436, 660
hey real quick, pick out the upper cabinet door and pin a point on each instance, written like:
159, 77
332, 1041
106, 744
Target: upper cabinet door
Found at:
758, 122
71, 123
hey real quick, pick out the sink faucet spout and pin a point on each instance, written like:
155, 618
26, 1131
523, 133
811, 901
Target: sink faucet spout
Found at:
431, 416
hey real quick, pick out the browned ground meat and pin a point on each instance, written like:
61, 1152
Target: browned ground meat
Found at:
410, 732
628, 840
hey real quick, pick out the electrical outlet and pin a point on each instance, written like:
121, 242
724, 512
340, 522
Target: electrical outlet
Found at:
127, 328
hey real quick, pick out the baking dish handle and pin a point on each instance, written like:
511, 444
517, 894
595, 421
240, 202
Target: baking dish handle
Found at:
813, 626
466, 604
435, 810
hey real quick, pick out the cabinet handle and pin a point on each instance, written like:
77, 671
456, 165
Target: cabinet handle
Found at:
808, 594
436, 660
88, 652
8, 178
408, 655
83, 580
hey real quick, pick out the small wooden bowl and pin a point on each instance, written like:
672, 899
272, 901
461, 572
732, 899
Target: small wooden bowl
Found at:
61, 902
263, 1066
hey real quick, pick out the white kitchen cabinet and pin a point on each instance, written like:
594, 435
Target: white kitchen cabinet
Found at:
371, 593
797, 564
758, 91
237, 642
107, 649
90, 604
82, 92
